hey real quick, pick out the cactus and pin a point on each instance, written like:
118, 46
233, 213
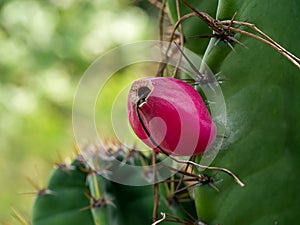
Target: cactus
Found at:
64, 198
261, 146
77, 194
260, 93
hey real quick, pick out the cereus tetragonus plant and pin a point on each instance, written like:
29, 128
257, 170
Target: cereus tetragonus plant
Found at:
252, 46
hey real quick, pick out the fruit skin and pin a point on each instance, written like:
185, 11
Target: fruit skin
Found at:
174, 114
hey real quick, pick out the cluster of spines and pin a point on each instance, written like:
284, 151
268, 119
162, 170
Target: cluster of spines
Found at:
77, 194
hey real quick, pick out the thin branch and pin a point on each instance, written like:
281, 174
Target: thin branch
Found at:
182, 178
158, 4
163, 65
226, 31
182, 19
159, 72
155, 189
269, 41
161, 19
181, 38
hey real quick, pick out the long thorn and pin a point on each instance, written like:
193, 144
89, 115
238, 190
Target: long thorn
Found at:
269, 41
189, 62
19, 218
155, 189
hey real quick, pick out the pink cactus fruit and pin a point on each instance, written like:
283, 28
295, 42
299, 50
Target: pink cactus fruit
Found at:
174, 114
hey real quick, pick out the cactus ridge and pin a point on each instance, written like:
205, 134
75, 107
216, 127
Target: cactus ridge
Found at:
105, 202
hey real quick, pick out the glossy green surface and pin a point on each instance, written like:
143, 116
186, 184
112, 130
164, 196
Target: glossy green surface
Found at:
262, 99
65, 204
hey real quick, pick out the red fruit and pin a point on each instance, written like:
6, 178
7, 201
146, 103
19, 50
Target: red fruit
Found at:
174, 115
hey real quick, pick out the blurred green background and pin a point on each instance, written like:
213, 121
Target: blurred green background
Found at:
45, 47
